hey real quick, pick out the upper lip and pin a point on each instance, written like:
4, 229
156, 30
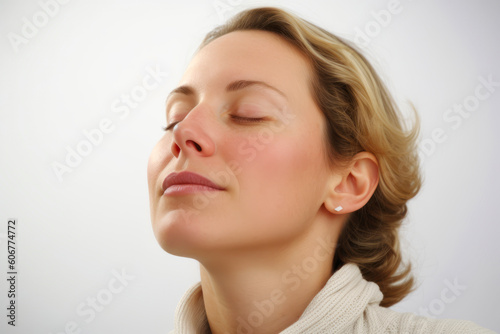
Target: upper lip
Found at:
188, 178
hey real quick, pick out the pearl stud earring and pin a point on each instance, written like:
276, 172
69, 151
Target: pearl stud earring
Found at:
338, 208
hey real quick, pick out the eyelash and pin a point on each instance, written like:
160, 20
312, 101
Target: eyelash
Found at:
170, 126
241, 119
236, 118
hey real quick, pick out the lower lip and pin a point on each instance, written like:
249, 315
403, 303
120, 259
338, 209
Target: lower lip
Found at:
186, 189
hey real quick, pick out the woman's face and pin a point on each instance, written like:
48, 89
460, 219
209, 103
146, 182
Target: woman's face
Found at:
245, 120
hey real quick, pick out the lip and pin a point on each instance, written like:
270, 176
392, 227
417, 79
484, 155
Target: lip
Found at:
187, 183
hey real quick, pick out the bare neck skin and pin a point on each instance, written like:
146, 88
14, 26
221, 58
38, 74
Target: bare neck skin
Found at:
266, 291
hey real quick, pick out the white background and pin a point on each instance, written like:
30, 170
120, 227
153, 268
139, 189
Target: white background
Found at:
66, 77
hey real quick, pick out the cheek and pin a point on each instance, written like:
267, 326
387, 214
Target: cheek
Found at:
295, 163
283, 172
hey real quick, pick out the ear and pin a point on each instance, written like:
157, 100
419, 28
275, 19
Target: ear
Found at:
354, 186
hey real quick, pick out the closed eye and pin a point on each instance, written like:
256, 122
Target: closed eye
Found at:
241, 119
236, 118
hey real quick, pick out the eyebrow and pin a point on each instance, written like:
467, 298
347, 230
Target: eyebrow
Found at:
231, 87
241, 84
185, 90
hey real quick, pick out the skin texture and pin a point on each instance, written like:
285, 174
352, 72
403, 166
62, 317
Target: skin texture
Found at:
270, 233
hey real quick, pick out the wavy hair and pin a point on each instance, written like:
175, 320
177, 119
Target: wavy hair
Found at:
360, 115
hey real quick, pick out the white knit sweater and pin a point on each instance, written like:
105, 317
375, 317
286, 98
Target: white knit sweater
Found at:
346, 304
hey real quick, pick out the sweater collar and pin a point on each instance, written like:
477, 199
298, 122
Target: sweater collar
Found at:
336, 307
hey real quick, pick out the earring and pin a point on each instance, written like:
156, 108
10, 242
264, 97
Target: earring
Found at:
338, 208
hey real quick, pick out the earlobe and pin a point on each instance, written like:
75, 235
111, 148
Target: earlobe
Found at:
356, 186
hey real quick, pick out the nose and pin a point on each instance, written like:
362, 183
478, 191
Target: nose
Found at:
191, 136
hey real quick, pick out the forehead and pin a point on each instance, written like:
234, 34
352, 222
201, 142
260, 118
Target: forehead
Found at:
249, 55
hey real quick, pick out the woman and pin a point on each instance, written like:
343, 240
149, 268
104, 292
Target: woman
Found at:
285, 171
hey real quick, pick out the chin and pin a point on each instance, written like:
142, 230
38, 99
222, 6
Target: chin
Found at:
179, 236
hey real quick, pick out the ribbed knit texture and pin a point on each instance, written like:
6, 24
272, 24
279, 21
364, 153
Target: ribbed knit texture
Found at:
346, 304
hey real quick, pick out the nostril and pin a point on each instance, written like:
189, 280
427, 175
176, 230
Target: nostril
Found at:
196, 145
176, 149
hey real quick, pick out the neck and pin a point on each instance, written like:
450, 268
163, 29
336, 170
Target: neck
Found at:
268, 290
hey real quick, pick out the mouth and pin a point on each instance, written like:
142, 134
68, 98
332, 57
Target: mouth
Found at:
185, 183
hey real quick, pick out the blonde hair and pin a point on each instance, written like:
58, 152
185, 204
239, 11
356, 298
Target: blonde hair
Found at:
360, 115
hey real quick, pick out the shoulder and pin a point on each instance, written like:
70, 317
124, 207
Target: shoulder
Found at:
393, 322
